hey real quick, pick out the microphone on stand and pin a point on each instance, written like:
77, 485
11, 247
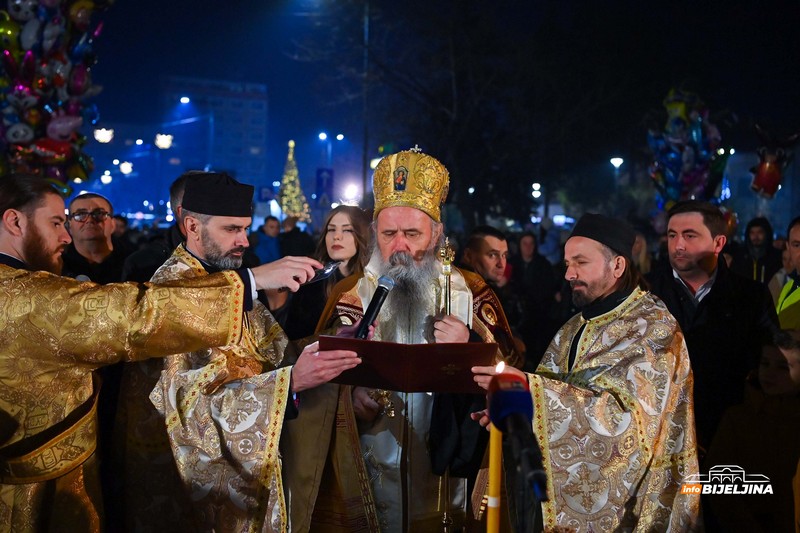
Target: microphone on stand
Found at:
511, 411
385, 284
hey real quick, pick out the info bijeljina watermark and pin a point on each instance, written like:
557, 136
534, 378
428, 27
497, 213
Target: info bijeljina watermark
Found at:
726, 479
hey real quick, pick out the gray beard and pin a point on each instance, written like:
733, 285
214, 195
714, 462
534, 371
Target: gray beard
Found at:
406, 315
218, 258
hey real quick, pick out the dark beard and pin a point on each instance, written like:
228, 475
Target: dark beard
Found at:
580, 300
37, 257
217, 258
407, 307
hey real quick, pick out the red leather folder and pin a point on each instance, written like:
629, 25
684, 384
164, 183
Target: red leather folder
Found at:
413, 367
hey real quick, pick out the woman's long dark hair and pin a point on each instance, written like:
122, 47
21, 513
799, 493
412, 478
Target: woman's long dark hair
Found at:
360, 224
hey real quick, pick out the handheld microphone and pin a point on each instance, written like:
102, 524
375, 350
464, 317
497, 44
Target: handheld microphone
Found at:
511, 411
385, 284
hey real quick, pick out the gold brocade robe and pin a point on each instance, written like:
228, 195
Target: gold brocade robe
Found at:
53, 332
345, 478
617, 432
224, 409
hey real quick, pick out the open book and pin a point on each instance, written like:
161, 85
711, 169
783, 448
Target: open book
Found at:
413, 367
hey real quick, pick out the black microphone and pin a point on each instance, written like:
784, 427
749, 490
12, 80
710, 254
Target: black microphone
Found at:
511, 411
385, 284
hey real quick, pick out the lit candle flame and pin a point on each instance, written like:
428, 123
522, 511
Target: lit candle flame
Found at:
500, 367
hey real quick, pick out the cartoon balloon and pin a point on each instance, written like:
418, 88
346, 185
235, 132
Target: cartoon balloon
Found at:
774, 156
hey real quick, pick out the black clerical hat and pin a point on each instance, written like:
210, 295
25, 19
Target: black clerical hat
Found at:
218, 194
614, 233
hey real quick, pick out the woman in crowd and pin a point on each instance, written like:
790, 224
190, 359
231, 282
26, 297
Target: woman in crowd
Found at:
343, 239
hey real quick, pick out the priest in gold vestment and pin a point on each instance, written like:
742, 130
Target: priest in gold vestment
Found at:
612, 398
55, 331
361, 460
224, 407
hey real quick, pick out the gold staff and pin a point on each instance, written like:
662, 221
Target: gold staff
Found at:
446, 254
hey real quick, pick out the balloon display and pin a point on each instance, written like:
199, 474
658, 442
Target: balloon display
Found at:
688, 158
45, 83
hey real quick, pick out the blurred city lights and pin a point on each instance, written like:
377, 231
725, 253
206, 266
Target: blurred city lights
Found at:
323, 136
616, 162
105, 179
536, 194
139, 142
471, 190
126, 167
350, 191
163, 141
536, 186
334, 205
340, 137
732, 151
115, 162
104, 135
185, 99
276, 183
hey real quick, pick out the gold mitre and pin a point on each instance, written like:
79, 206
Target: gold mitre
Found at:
411, 179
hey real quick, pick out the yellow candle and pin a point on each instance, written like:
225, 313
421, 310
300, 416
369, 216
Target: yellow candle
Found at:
495, 466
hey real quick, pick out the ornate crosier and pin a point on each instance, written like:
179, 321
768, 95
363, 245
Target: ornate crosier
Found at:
446, 254
382, 398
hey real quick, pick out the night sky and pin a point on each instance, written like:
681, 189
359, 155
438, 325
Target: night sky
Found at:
738, 56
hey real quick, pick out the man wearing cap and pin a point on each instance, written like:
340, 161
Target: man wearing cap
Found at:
612, 398
367, 466
56, 331
224, 407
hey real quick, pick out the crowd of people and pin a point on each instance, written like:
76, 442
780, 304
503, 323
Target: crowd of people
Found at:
176, 382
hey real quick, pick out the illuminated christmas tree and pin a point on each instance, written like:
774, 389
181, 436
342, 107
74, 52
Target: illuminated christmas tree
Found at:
293, 201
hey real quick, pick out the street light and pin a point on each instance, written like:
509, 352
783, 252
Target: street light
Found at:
324, 137
616, 162
104, 135
350, 192
163, 141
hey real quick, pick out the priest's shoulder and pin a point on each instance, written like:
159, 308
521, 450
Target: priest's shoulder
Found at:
344, 286
341, 290
475, 282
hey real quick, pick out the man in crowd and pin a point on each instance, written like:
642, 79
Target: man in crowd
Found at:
534, 285
266, 245
486, 254
788, 305
294, 241
224, 408
92, 252
57, 330
725, 318
142, 264
364, 464
758, 259
612, 398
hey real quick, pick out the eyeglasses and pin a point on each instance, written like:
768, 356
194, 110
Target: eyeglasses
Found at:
98, 215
